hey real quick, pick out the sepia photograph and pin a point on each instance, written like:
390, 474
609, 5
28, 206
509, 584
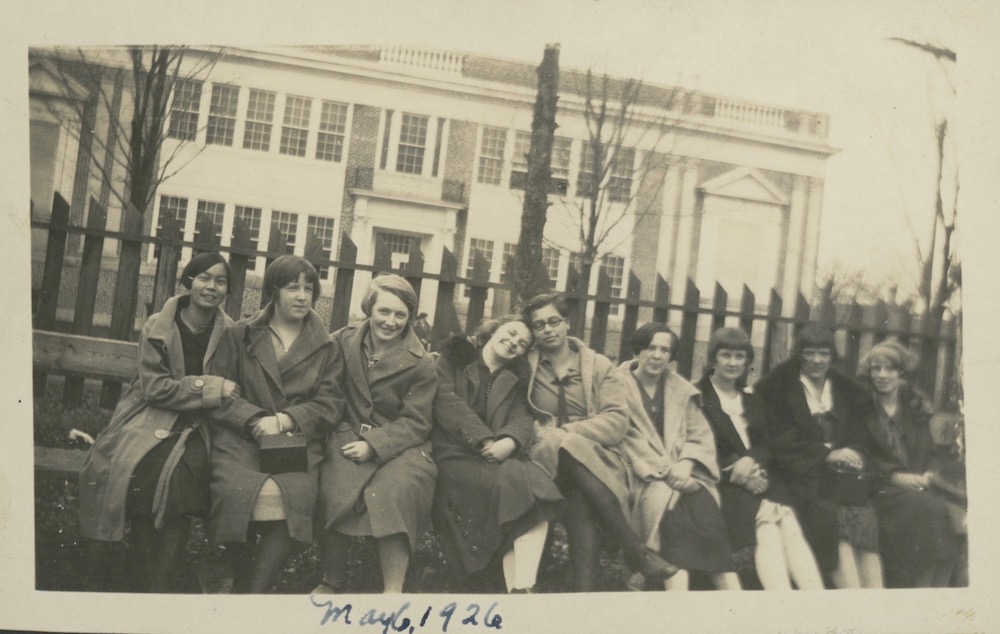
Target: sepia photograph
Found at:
391, 312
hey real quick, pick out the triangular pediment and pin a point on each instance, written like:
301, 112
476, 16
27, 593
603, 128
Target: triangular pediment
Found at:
44, 78
745, 184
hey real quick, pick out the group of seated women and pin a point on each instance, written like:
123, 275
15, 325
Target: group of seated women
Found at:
496, 437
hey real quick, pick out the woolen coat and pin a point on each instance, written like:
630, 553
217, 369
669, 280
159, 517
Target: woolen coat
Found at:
145, 414
477, 504
394, 399
739, 506
304, 385
686, 435
800, 453
595, 440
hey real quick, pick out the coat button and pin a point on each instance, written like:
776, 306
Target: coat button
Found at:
199, 383
161, 434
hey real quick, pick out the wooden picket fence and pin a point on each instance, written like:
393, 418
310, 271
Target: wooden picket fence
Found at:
858, 326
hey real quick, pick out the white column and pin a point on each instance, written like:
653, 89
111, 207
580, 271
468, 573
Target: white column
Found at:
685, 230
811, 246
665, 251
794, 245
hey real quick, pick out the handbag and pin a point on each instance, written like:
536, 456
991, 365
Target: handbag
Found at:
845, 487
283, 453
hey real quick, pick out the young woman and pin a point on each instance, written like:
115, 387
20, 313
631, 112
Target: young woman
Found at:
919, 548
671, 451
149, 467
817, 417
582, 419
755, 506
378, 475
283, 358
489, 497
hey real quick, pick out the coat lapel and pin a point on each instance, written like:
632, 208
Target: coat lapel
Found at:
352, 359
398, 359
312, 337
261, 348
222, 321
502, 386
471, 388
713, 409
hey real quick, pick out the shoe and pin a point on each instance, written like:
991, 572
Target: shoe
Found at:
652, 566
325, 587
530, 590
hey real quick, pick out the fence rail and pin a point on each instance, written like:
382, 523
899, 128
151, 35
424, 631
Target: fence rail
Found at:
770, 323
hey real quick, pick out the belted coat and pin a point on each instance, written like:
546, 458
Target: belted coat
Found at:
393, 400
303, 384
143, 418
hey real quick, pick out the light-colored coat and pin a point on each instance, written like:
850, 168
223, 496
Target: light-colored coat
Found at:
686, 435
303, 384
594, 440
150, 404
395, 398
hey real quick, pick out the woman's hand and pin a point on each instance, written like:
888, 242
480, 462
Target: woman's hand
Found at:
847, 457
679, 476
498, 450
358, 451
265, 426
742, 470
909, 480
230, 389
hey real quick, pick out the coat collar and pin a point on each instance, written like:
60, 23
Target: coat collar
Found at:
164, 329
395, 360
588, 363
312, 337
502, 386
724, 426
677, 392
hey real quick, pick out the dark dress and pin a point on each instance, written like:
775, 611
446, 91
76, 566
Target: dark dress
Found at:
188, 490
740, 506
914, 526
481, 507
801, 442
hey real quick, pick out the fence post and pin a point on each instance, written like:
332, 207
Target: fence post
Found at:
126, 296
343, 287
720, 301
774, 334
880, 322
414, 269
166, 264
748, 304
689, 327
276, 243
661, 297
631, 317
241, 251
204, 235
86, 292
445, 319
55, 253
853, 327
477, 291
602, 308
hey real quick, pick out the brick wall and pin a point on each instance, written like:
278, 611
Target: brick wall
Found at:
360, 153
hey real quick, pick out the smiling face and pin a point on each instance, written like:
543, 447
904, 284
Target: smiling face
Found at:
510, 341
389, 317
550, 328
653, 359
730, 364
294, 300
886, 376
816, 363
209, 288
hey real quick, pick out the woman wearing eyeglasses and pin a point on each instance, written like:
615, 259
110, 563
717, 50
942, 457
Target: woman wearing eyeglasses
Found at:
582, 419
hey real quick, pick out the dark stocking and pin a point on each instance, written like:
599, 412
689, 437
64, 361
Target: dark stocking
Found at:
583, 535
160, 550
241, 559
273, 551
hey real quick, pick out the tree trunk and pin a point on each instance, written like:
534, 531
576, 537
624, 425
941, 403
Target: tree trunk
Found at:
529, 278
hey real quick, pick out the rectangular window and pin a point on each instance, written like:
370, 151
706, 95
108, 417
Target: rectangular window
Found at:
559, 163
295, 128
332, 129
412, 144
509, 248
614, 267
251, 217
399, 245
214, 212
260, 116
173, 207
222, 114
184, 108
322, 229
620, 181
288, 224
491, 151
585, 177
484, 247
550, 258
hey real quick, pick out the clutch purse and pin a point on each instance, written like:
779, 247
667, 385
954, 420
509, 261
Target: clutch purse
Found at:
845, 487
283, 453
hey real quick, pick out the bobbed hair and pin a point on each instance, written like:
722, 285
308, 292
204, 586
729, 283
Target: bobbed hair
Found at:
556, 300
488, 327
816, 336
644, 334
894, 353
728, 339
396, 285
285, 270
201, 263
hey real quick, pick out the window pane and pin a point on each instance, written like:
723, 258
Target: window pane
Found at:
620, 182
509, 249
412, 144
175, 208
485, 247
288, 224
614, 267
184, 110
215, 212
251, 216
491, 152
585, 179
332, 128
260, 114
295, 131
550, 257
322, 229
222, 114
